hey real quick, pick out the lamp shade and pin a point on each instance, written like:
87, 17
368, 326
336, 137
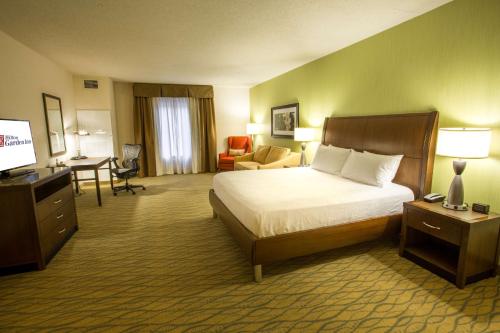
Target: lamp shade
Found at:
303, 134
254, 128
464, 142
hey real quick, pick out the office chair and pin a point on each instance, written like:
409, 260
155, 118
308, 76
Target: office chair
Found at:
129, 169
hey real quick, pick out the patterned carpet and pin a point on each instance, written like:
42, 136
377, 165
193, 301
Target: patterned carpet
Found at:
158, 262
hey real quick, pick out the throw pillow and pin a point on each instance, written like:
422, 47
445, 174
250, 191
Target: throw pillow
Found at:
236, 152
276, 154
261, 154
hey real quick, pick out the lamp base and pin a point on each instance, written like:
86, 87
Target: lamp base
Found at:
303, 156
455, 199
78, 156
75, 158
462, 207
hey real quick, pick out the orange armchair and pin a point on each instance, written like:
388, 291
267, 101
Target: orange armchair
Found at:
226, 161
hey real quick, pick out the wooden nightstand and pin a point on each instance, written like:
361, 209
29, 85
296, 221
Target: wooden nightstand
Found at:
459, 246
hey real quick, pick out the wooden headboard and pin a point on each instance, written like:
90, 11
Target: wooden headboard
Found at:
412, 135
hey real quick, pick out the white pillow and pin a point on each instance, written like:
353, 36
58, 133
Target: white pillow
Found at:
236, 152
389, 165
330, 159
362, 168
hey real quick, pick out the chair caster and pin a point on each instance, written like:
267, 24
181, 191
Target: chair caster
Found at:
133, 192
143, 188
114, 194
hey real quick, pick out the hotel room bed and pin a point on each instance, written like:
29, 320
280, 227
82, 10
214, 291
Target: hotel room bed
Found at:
280, 201
285, 213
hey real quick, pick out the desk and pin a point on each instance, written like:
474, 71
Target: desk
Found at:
91, 163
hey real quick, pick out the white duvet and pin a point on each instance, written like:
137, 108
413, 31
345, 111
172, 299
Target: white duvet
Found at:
279, 201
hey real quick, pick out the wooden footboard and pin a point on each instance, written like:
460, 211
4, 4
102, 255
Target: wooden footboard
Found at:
271, 249
242, 235
301, 243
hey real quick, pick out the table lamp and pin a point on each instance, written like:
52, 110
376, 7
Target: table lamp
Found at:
304, 135
461, 143
253, 129
78, 133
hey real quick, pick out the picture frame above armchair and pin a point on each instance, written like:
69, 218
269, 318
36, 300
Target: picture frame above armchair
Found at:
55, 125
284, 120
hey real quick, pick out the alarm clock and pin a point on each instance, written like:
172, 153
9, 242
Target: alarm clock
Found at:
480, 208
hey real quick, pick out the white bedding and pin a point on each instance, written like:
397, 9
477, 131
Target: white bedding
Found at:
279, 201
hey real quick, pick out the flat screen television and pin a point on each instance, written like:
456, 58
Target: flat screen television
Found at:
16, 145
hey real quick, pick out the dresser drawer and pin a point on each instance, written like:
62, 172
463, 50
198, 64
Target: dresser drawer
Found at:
53, 202
53, 239
434, 225
56, 218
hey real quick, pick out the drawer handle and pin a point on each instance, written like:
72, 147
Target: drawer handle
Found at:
61, 231
57, 201
60, 216
430, 225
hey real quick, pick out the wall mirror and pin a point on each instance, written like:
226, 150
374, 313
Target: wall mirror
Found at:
55, 124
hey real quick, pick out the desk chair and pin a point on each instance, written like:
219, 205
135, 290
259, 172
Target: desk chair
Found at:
129, 169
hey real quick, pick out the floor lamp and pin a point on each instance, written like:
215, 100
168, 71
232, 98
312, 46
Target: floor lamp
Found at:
461, 143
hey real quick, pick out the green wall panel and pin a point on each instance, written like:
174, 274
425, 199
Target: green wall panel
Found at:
446, 60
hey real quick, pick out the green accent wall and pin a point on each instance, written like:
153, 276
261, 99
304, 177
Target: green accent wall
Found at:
446, 60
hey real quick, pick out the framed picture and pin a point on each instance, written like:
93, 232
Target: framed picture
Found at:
284, 119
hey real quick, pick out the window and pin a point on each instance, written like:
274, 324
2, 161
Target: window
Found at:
174, 137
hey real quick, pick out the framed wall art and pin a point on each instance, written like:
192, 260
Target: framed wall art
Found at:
284, 120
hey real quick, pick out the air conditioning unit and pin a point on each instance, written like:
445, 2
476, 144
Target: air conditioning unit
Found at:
91, 84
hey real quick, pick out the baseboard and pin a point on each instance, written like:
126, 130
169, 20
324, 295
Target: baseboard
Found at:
101, 182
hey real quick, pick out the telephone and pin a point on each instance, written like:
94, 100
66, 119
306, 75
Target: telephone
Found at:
434, 197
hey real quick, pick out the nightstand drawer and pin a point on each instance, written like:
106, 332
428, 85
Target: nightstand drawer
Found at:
434, 225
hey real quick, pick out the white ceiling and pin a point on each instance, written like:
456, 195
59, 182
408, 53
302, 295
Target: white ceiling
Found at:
222, 42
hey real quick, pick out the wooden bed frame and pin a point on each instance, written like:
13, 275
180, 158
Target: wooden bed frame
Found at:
413, 135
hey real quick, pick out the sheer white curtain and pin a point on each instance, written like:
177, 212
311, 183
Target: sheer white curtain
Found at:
176, 138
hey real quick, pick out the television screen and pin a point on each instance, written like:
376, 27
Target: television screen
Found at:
16, 144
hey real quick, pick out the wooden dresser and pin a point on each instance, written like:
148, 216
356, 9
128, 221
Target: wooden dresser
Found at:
37, 216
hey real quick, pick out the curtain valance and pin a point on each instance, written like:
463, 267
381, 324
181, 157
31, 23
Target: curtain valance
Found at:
172, 90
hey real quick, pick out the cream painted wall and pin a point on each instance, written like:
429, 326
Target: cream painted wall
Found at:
100, 99
25, 75
124, 108
93, 99
232, 112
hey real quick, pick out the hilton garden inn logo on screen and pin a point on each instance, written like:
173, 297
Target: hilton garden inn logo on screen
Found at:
11, 140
